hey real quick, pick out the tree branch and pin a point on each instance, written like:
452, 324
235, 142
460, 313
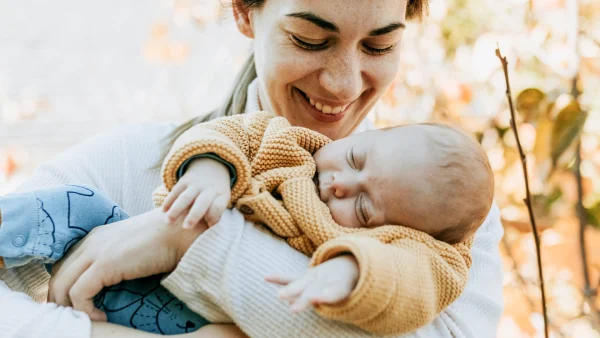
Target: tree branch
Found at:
523, 283
527, 199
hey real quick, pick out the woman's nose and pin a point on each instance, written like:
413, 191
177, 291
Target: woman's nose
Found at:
342, 77
344, 186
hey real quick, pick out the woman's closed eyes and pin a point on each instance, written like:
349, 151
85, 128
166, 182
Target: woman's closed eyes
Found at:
369, 49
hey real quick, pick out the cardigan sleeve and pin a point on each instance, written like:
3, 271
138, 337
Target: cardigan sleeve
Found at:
230, 138
402, 286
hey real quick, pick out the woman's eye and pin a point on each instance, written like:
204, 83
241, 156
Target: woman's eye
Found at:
379, 51
310, 46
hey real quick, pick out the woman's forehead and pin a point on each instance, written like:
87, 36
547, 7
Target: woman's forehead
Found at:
365, 15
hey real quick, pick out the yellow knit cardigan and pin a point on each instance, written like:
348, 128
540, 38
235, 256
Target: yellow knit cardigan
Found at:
406, 277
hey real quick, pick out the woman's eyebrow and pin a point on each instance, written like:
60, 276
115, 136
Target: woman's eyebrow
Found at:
330, 26
387, 29
315, 19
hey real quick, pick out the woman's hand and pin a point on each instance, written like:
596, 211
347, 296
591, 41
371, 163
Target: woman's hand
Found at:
137, 247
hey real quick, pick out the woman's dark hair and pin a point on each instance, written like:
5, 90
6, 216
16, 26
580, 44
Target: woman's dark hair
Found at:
236, 102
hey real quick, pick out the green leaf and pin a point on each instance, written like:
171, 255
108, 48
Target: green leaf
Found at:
593, 215
542, 148
531, 103
567, 129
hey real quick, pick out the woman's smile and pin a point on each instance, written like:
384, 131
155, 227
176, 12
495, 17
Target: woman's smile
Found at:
325, 112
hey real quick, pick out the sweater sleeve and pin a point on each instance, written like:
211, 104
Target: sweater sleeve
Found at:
22, 317
239, 254
228, 138
402, 286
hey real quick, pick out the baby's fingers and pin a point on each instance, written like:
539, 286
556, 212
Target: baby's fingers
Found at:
305, 301
182, 203
294, 289
172, 196
198, 209
279, 279
219, 204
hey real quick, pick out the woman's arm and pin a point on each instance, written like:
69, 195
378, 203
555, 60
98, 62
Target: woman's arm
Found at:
108, 330
228, 263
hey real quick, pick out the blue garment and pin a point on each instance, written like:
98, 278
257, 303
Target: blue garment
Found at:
43, 224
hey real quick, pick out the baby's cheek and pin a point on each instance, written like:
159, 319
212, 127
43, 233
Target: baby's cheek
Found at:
343, 213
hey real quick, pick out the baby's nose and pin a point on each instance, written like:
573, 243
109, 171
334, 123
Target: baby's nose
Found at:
343, 186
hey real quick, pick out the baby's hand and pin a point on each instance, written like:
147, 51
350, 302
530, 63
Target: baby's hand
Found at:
203, 192
327, 283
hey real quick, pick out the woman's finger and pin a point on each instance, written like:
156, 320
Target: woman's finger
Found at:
198, 209
172, 196
61, 284
183, 201
216, 209
88, 285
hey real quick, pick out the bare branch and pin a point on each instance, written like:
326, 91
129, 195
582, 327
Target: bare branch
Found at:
527, 199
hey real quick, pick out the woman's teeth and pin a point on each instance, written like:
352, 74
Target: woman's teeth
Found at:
326, 108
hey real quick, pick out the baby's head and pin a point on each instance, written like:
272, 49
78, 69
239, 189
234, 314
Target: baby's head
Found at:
429, 177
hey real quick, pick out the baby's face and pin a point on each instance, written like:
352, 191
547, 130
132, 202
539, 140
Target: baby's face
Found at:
369, 179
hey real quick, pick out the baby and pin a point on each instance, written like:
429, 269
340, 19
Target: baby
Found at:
431, 179
387, 279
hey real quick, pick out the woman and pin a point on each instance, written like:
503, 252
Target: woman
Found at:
322, 65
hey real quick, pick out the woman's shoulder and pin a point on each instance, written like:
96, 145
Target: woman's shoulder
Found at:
140, 131
142, 137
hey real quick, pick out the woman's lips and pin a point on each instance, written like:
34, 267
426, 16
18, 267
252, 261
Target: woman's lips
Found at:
318, 115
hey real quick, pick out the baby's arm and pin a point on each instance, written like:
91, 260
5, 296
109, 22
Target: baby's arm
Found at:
401, 286
201, 160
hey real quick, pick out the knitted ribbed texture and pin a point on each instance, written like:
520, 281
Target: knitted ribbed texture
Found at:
226, 137
406, 277
24, 318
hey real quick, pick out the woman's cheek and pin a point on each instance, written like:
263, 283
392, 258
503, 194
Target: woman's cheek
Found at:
384, 70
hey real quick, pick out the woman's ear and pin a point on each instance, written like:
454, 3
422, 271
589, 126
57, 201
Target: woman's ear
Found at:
242, 18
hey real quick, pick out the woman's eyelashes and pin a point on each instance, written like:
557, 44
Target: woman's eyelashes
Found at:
306, 45
320, 46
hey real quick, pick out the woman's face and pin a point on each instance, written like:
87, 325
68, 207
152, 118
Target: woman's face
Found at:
324, 64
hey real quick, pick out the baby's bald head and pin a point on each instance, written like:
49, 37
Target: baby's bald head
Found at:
455, 189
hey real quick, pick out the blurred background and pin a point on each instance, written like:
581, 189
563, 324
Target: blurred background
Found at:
70, 69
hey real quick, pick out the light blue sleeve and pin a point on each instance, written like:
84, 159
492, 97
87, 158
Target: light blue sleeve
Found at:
44, 224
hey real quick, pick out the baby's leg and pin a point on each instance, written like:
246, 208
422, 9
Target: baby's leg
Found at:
44, 224
145, 305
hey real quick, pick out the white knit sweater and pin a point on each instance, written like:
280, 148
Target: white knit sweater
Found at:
222, 274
